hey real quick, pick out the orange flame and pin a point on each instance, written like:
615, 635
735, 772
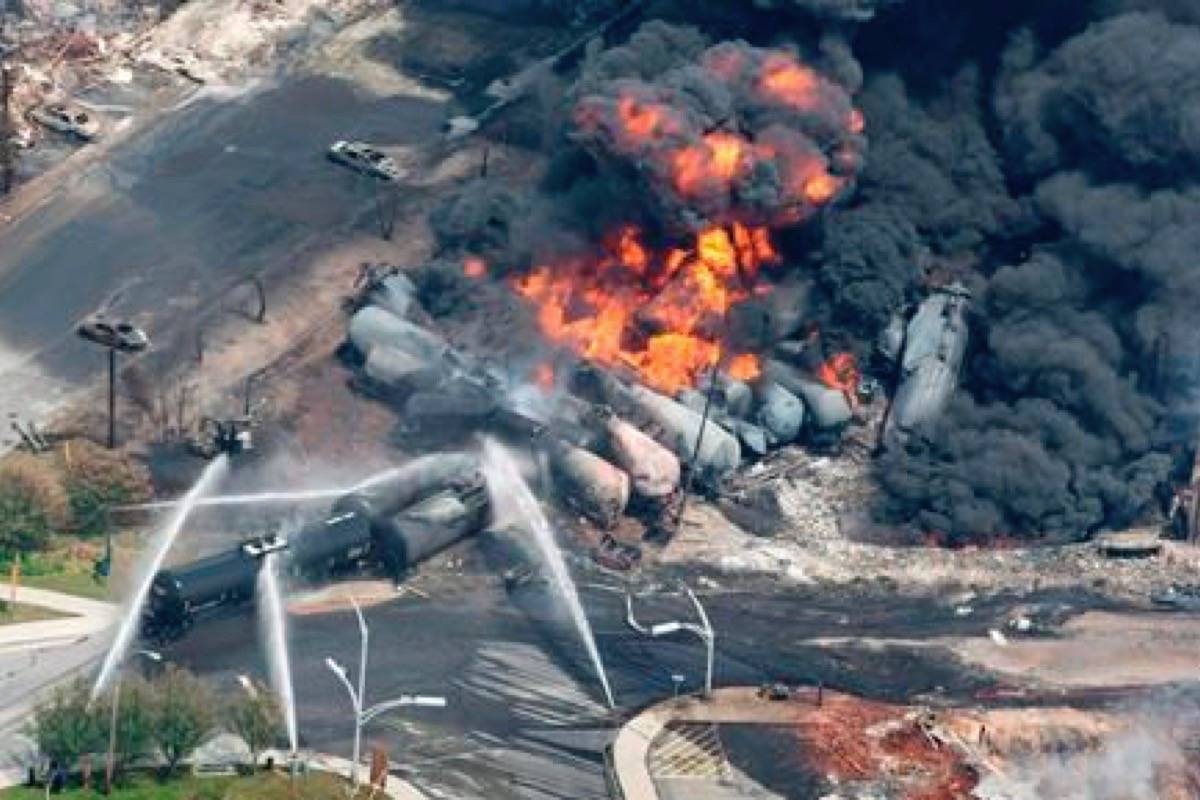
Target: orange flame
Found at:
787, 81
645, 120
744, 367
855, 123
840, 372
651, 312
820, 188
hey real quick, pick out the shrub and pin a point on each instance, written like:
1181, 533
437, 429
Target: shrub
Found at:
135, 719
96, 480
33, 503
256, 717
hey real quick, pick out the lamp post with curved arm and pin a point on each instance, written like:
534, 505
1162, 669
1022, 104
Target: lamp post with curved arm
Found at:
704, 631
358, 695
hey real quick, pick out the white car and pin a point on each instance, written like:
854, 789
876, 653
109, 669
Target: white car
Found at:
67, 119
364, 158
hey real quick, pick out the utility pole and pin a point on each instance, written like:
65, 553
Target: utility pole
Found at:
113, 336
112, 398
110, 762
386, 206
7, 132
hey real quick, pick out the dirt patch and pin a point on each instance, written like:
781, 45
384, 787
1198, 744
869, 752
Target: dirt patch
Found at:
1097, 649
336, 597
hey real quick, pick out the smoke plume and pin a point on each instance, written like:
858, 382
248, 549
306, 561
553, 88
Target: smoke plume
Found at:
1046, 160
730, 132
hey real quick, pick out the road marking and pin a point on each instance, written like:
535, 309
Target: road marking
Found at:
689, 750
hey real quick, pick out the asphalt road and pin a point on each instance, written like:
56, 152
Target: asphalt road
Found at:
526, 718
222, 185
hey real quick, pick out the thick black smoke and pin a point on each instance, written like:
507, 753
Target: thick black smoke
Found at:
842, 10
1055, 169
1060, 431
1117, 100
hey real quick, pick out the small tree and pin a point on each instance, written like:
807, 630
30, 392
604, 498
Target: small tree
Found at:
64, 727
255, 716
184, 715
33, 503
134, 720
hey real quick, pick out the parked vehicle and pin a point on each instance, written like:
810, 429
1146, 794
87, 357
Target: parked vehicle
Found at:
364, 158
68, 119
20, 141
117, 334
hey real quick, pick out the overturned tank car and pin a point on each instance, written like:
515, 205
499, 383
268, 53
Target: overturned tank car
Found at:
934, 344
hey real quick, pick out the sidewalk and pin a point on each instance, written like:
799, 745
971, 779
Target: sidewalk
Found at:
395, 788
734, 705
36, 655
89, 616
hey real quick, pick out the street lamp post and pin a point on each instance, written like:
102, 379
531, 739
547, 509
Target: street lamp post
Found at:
113, 336
358, 696
111, 760
704, 631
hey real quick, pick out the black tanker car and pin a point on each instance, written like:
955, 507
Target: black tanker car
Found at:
393, 524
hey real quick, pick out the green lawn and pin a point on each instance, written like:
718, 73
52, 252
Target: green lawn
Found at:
12, 613
264, 786
81, 584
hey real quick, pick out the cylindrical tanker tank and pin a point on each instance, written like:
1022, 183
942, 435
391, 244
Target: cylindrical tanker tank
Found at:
342, 540
430, 526
402, 486
177, 595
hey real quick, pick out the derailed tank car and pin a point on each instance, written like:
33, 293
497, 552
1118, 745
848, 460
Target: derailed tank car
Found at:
178, 596
429, 526
338, 543
418, 510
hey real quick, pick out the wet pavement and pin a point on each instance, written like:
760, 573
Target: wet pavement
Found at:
525, 716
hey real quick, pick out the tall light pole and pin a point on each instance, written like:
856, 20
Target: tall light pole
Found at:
7, 132
358, 696
704, 631
115, 336
111, 760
